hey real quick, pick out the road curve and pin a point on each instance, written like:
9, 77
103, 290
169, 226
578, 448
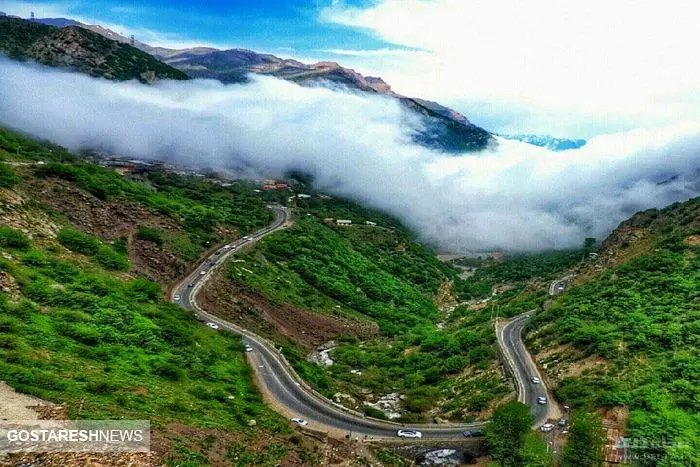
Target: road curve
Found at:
524, 368
558, 286
277, 376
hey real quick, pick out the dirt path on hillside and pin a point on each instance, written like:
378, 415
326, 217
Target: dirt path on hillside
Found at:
16, 406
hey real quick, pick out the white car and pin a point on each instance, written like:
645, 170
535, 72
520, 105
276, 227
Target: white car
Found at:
542, 400
248, 348
201, 273
535, 380
300, 421
246, 238
176, 298
547, 427
409, 434
213, 325
226, 247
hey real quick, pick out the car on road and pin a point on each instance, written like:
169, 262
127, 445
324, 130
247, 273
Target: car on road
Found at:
190, 284
409, 434
562, 422
176, 298
542, 400
201, 273
535, 380
213, 325
226, 247
547, 427
300, 421
473, 433
246, 238
248, 348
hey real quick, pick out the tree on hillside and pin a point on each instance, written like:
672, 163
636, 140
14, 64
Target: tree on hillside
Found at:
506, 433
586, 443
589, 244
534, 452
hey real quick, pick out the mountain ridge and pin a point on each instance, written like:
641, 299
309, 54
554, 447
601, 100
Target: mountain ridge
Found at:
80, 49
442, 128
547, 141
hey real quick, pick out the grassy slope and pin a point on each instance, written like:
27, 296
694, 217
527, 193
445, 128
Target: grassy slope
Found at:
383, 274
81, 50
199, 207
643, 319
75, 329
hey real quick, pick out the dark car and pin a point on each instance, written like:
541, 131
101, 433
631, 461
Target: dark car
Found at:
473, 433
190, 284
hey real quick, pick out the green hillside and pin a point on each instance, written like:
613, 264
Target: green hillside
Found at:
80, 325
79, 49
637, 328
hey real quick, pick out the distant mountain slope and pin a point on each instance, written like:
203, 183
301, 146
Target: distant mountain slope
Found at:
549, 142
80, 49
440, 127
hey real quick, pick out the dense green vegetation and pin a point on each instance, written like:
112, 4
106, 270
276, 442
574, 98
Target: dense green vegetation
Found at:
586, 441
8, 177
328, 262
82, 336
18, 147
198, 206
11, 238
510, 441
151, 234
378, 273
643, 318
105, 255
81, 50
516, 269
75, 330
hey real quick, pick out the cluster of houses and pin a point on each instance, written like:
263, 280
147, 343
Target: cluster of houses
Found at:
131, 167
344, 222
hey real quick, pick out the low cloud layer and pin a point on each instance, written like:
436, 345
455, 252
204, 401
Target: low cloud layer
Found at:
543, 65
513, 196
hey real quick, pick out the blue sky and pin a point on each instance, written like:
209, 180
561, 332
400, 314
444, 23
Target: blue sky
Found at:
569, 69
290, 26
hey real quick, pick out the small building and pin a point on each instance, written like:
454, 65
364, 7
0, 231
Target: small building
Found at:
370, 223
274, 185
343, 222
303, 196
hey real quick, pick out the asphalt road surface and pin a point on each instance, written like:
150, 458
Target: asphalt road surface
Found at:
510, 339
294, 396
559, 285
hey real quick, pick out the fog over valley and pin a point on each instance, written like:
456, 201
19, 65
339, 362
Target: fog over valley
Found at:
512, 195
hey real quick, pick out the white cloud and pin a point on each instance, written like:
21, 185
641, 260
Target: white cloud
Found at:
514, 195
383, 52
627, 62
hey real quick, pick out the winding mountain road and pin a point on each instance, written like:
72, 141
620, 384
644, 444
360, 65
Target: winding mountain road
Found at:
291, 396
523, 369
